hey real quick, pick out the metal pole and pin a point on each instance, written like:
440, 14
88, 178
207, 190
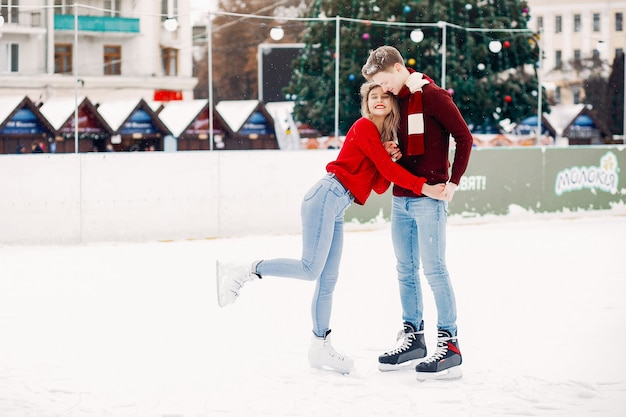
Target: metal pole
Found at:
259, 78
624, 98
539, 92
337, 50
209, 34
444, 52
74, 63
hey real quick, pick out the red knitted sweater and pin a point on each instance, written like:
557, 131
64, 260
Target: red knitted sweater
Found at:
364, 165
441, 119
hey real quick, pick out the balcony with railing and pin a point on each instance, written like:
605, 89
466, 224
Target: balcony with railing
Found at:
27, 22
108, 24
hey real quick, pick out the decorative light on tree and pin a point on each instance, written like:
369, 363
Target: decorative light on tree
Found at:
170, 24
495, 46
417, 35
277, 33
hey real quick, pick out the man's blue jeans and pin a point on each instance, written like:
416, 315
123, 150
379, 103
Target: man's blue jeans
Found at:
418, 230
323, 209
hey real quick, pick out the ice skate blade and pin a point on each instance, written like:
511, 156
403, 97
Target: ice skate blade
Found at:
447, 375
218, 282
342, 371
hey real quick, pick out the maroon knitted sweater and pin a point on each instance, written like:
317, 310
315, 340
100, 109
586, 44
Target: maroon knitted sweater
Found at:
364, 165
441, 119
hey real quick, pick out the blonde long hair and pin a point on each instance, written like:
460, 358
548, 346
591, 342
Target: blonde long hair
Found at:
392, 121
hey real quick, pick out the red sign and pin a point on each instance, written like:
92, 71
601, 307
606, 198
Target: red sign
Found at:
167, 95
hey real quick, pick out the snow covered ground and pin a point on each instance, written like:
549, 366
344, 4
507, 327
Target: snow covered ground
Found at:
123, 329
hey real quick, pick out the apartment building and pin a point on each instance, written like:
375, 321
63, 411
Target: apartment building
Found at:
118, 49
576, 34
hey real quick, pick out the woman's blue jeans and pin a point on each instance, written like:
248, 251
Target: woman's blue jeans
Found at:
323, 209
418, 230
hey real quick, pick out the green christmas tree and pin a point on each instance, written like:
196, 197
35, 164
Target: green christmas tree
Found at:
489, 87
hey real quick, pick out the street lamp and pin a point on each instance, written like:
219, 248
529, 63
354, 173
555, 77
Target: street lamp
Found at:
444, 51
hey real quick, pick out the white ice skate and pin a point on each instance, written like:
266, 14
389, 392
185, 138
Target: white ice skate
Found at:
323, 356
230, 278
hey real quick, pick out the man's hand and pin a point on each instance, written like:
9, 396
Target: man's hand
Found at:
434, 191
392, 149
448, 191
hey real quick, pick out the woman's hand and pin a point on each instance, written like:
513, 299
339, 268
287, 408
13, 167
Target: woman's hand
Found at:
434, 191
393, 150
441, 191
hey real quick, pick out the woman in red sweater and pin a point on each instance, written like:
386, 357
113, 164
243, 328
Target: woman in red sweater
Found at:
363, 164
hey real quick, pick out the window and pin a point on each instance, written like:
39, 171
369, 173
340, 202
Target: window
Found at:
596, 55
9, 57
596, 22
36, 19
557, 95
539, 23
63, 58
111, 7
558, 22
576, 93
112, 60
9, 10
169, 57
619, 22
63, 6
13, 57
577, 56
576, 23
557, 60
169, 8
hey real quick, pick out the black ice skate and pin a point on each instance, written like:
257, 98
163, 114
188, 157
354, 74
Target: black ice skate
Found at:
411, 348
445, 362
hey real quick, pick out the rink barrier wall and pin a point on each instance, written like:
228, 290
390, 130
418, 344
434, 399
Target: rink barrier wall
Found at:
534, 179
155, 196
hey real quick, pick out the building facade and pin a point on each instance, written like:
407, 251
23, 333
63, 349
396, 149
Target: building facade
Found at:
578, 37
118, 49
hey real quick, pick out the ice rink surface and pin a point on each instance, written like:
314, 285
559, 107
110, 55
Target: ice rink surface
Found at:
133, 329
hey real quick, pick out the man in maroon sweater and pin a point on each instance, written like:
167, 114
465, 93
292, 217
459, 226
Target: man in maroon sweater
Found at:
418, 225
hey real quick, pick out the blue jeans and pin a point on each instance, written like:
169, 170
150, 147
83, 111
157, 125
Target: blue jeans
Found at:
418, 231
323, 209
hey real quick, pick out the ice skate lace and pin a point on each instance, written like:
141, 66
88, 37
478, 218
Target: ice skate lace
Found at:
407, 340
442, 350
235, 286
236, 283
333, 353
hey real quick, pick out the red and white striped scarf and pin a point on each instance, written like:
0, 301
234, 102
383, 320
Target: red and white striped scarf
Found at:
414, 84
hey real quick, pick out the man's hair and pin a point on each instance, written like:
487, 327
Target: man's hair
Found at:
381, 59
